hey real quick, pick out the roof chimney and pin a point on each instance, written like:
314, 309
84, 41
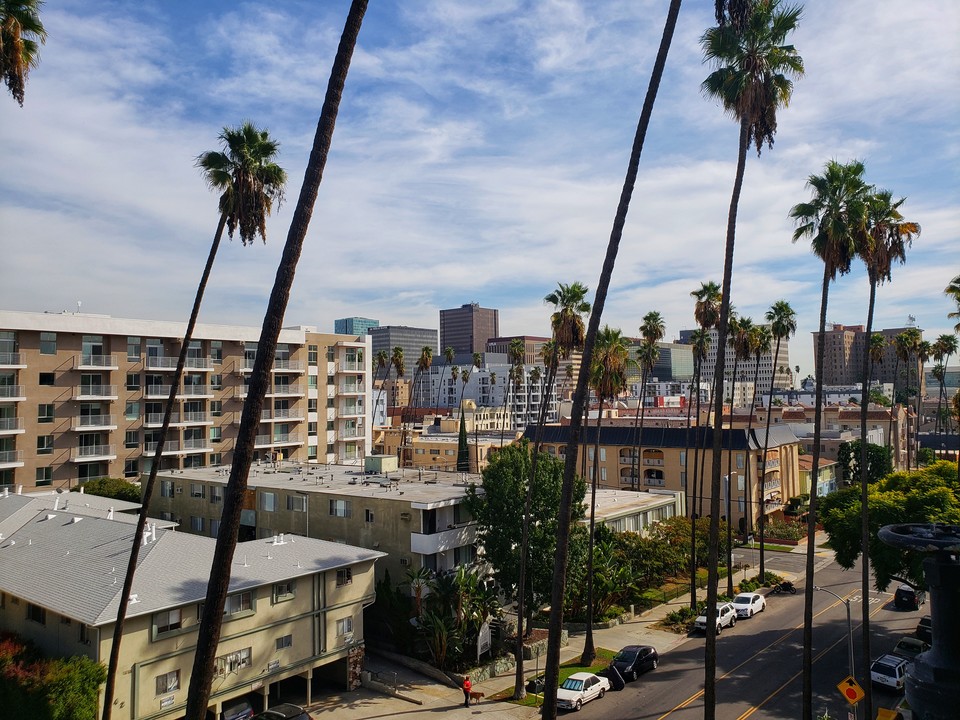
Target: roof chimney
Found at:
110, 513
81, 489
56, 503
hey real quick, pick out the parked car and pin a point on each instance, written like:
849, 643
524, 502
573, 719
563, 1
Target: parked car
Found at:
726, 617
908, 598
536, 685
889, 670
286, 711
910, 647
749, 604
239, 709
925, 630
580, 688
635, 659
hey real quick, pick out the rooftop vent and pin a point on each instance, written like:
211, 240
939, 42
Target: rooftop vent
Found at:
75, 520
50, 516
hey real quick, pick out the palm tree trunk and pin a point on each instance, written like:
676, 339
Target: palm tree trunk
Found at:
763, 479
710, 660
589, 650
692, 494
634, 485
864, 510
552, 673
643, 412
893, 405
208, 634
729, 559
152, 477
807, 709
748, 505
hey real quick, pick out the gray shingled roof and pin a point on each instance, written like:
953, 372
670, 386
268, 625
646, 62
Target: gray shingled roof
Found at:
76, 568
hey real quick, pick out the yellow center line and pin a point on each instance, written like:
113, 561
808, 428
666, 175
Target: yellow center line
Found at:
776, 642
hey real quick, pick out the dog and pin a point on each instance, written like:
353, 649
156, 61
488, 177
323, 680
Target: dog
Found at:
475, 696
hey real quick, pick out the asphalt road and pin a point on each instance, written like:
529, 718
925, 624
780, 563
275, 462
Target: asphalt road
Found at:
760, 660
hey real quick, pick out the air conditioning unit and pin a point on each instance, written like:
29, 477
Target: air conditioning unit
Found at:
404, 561
405, 516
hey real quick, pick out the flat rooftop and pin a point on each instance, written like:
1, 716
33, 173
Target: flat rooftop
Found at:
616, 503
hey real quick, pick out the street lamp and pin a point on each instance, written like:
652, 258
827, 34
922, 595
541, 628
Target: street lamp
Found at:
846, 603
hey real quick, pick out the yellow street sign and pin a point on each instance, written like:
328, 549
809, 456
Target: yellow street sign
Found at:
851, 690
885, 714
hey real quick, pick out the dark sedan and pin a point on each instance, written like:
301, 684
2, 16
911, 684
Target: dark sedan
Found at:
635, 659
286, 711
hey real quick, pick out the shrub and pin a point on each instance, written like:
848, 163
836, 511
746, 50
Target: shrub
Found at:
115, 488
780, 530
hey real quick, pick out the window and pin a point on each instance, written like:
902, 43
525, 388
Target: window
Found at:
284, 591
297, 503
44, 444
241, 602
312, 382
214, 528
45, 413
132, 411
330, 448
133, 381
216, 494
166, 488
216, 382
131, 439
196, 524
131, 467
329, 399
36, 613
47, 378
340, 508
167, 621
284, 642
48, 343
84, 636
215, 459
268, 501
344, 577
312, 452
311, 429
311, 405
216, 434
232, 662
740, 460
216, 351
344, 626
44, 475
216, 408
198, 490
133, 349
168, 682
312, 353
330, 426
368, 515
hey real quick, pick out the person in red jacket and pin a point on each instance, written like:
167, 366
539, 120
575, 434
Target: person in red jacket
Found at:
467, 687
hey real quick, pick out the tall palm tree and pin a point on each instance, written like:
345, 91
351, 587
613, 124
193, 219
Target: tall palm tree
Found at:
250, 182
381, 361
833, 219
761, 341
21, 34
208, 634
752, 80
783, 325
399, 365
952, 291
424, 362
700, 341
706, 312
902, 350
558, 589
945, 347
878, 348
448, 355
652, 330
740, 334
608, 380
922, 351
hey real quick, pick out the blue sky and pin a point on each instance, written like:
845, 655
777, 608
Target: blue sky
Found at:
478, 156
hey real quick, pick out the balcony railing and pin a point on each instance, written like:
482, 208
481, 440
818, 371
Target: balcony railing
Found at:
657, 482
93, 452
430, 544
287, 366
264, 441
11, 458
350, 434
170, 363
12, 392
11, 360
11, 424
190, 418
279, 390
281, 415
350, 410
197, 444
352, 388
195, 390
652, 461
89, 361
95, 392
92, 422
350, 366
169, 447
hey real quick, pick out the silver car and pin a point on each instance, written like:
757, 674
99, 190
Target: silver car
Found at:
580, 688
749, 604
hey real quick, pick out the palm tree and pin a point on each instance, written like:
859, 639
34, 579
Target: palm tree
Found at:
761, 340
923, 350
652, 330
741, 331
21, 34
608, 379
878, 348
706, 311
902, 349
381, 361
700, 341
208, 634
833, 218
423, 366
448, 355
398, 364
558, 589
945, 347
783, 324
952, 291
566, 322
419, 580
249, 182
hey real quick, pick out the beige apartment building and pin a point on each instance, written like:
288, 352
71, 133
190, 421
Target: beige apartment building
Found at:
843, 357
83, 396
668, 456
294, 609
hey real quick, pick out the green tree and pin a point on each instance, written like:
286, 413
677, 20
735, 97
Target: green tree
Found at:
952, 291
944, 348
463, 450
21, 35
208, 634
448, 355
877, 349
249, 183
564, 531
752, 80
833, 219
849, 460
700, 341
381, 361
116, 488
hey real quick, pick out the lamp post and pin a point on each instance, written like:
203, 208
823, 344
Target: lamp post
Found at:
846, 603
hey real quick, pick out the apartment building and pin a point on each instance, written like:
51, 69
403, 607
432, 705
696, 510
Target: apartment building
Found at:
294, 609
843, 357
83, 396
414, 516
668, 456
532, 347
468, 328
771, 368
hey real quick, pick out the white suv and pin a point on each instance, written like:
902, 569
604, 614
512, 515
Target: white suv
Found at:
726, 617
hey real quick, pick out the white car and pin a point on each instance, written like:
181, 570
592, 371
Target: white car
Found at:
889, 670
749, 604
580, 688
726, 617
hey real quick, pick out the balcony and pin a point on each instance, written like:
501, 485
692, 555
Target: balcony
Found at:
444, 540
350, 434
198, 364
350, 366
13, 393
93, 453
292, 415
350, 411
654, 482
653, 461
176, 420
170, 447
88, 361
285, 391
162, 392
11, 459
277, 440
11, 361
628, 459
86, 423
95, 392
351, 389
287, 366
196, 445
11, 426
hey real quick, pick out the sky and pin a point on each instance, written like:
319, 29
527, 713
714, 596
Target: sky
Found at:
478, 156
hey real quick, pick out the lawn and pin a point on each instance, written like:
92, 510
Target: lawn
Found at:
568, 668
